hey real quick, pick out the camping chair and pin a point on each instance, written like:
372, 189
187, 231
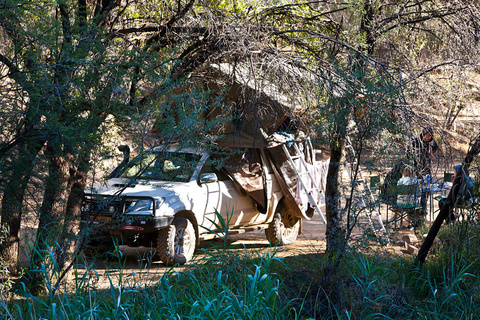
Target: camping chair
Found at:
463, 209
411, 213
447, 177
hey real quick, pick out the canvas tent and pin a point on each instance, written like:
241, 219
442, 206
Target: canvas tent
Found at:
262, 120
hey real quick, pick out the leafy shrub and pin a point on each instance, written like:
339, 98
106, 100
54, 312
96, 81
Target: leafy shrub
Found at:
6, 282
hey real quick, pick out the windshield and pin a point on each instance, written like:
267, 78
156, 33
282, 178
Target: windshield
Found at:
165, 166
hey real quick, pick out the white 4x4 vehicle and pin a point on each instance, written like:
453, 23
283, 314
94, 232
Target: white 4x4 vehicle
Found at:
171, 198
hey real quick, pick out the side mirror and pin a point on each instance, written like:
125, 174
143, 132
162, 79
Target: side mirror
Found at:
207, 178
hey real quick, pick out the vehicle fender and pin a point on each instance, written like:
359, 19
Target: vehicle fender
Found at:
273, 203
176, 205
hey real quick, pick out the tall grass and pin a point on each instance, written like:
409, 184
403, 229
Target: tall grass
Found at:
220, 286
222, 283
449, 284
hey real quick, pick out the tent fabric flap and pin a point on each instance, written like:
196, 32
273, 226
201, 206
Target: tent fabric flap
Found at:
246, 169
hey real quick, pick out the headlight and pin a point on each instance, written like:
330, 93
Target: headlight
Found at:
144, 205
140, 205
158, 203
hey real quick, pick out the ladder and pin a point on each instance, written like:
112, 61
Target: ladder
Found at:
306, 181
364, 195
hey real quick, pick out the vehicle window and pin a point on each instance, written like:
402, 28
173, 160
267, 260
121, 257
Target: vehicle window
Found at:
167, 166
137, 165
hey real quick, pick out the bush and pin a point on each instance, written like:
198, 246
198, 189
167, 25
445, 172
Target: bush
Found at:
6, 282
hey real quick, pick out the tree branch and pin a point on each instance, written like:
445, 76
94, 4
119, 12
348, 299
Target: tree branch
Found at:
434, 15
101, 11
170, 24
82, 13
373, 62
14, 71
161, 29
433, 68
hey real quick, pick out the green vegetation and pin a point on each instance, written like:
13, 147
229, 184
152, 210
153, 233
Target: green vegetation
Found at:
241, 283
76, 75
6, 282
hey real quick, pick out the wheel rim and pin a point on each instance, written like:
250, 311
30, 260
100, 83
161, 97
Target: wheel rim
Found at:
287, 232
182, 241
287, 225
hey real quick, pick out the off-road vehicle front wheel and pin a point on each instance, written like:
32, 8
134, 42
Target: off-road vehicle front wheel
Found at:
176, 243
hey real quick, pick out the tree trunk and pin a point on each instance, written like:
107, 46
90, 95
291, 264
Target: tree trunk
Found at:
13, 196
11, 219
69, 242
52, 216
367, 27
334, 234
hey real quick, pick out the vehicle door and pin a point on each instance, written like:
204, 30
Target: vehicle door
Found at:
223, 198
246, 181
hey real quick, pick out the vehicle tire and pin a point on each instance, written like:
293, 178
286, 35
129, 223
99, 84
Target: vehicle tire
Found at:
176, 243
284, 228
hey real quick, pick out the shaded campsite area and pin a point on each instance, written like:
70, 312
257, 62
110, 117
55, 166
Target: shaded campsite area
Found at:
197, 159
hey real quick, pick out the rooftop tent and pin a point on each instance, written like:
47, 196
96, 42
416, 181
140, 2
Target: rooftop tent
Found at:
258, 110
255, 103
257, 107
248, 104
262, 112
